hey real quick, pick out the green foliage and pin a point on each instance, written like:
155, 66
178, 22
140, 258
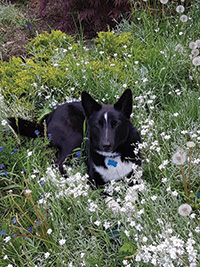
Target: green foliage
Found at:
9, 15
118, 45
45, 44
57, 64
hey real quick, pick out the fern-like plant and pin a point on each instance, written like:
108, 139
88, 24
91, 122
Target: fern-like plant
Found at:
92, 15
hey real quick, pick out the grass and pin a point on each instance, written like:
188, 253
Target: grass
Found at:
47, 220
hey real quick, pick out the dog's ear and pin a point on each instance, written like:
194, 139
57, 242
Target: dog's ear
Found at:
89, 104
124, 104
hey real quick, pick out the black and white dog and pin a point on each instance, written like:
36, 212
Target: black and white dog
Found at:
112, 138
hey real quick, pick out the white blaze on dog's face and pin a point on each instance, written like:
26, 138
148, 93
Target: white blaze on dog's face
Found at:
106, 121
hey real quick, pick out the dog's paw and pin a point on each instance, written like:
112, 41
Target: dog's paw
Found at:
112, 204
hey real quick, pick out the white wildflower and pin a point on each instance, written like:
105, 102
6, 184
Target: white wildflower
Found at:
49, 231
164, 163
167, 137
179, 157
192, 45
184, 210
92, 207
97, 223
62, 242
164, 2
168, 189
29, 153
190, 144
144, 239
132, 223
144, 80
7, 239
46, 255
196, 61
183, 18
125, 262
153, 198
106, 225
131, 195
82, 255
139, 227
164, 180
175, 193
195, 52
197, 43
180, 9
169, 231
27, 191
4, 122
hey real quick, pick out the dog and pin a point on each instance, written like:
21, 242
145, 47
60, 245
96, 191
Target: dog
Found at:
111, 137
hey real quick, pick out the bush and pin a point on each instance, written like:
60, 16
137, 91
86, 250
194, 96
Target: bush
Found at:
45, 45
57, 64
119, 45
94, 16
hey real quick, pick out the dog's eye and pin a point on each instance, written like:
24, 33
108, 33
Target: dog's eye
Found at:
114, 123
100, 123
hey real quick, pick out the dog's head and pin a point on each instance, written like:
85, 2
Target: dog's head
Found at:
108, 124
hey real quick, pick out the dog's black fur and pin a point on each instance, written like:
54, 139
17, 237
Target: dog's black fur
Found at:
112, 137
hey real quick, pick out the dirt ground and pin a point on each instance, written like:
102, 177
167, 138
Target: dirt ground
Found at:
13, 39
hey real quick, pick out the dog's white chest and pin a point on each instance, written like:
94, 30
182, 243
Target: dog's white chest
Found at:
116, 169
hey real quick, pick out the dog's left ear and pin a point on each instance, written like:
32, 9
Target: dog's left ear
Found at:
89, 104
124, 104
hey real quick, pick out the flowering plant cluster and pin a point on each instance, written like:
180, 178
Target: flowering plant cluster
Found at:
195, 46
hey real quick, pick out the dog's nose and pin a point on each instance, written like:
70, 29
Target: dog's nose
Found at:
106, 146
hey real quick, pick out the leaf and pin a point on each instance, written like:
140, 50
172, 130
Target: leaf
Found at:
44, 113
127, 248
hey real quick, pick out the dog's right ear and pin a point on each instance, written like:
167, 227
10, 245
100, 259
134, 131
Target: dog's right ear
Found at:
89, 104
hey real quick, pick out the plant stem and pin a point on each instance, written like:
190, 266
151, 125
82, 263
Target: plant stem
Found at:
184, 181
189, 184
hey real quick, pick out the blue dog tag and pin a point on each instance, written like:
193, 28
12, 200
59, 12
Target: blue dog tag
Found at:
112, 163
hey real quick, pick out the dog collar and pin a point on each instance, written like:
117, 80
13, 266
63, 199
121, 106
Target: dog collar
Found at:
109, 154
